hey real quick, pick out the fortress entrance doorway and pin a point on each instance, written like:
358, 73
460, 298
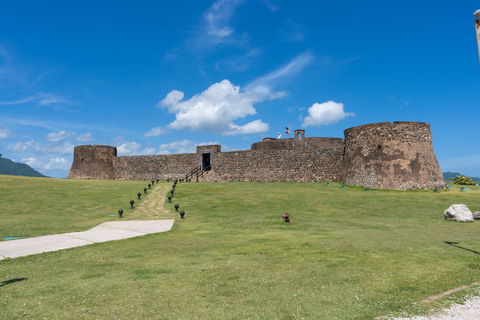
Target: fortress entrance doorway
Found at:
206, 161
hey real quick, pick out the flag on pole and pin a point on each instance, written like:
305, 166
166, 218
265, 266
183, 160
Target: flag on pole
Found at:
279, 135
287, 131
477, 30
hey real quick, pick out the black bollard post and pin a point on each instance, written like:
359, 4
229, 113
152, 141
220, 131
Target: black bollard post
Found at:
131, 204
139, 194
182, 213
120, 212
176, 207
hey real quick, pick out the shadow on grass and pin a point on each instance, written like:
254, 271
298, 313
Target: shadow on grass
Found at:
455, 244
4, 283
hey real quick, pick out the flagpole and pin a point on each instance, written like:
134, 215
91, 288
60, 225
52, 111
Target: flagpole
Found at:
477, 30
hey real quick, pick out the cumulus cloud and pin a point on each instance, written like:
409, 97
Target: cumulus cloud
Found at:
60, 164
214, 110
57, 164
5, 133
129, 148
320, 114
33, 162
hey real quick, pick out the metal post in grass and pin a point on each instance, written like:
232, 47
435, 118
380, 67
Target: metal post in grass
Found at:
139, 194
131, 204
153, 182
176, 207
182, 213
149, 186
169, 199
120, 213
172, 191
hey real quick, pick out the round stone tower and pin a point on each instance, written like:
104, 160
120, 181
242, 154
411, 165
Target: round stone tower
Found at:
93, 162
396, 156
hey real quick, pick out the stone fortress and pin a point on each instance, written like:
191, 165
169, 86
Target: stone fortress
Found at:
397, 156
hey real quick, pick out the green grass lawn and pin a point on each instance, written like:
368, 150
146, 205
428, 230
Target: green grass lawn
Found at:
346, 254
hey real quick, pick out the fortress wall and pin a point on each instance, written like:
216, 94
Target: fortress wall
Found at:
155, 166
292, 143
93, 162
304, 165
397, 156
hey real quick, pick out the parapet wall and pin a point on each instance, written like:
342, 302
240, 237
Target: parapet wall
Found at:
396, 156
93, 162
155, 166
292, 143
280, 165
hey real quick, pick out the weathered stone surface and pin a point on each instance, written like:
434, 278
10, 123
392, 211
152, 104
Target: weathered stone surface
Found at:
397, 156
476, 215
458, 212
93, 162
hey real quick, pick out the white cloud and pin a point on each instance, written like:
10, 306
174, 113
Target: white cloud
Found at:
320, 114
155, 132
33, 162
214, 110
54, 164
5, 133
58, 164
129, 148
265, 84
41, 98
59, 136
86, 137
149, 151
255, 126
23, 146
184, 146
215, 28
64, 148
9, 103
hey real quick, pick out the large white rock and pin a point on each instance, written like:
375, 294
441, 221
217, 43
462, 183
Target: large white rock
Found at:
458, 212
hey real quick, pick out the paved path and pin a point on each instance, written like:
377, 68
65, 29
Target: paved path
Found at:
151, 207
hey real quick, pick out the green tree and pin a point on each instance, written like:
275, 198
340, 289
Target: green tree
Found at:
462, 180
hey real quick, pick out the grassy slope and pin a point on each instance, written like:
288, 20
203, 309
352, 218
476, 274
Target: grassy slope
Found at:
346, 254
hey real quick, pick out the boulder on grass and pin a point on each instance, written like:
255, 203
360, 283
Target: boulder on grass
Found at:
476, 215
458, 212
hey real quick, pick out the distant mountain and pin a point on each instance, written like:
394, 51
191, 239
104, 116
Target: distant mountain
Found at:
448, 175
9, 167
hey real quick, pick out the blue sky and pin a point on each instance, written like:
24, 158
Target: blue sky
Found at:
157, 77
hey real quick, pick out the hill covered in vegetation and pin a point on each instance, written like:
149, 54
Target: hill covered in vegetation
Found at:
9, 167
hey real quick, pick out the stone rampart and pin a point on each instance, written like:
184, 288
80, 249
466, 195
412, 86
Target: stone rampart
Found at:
279, 165
396, 156
93, 162
155, 166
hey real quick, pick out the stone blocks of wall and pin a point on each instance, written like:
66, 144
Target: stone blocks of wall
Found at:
396, 156
171, 166
93, 162
279, 165
292, 143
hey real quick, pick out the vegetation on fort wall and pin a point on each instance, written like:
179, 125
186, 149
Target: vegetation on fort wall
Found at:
346, 254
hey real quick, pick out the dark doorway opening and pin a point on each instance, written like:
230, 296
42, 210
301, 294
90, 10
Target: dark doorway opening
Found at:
206, 162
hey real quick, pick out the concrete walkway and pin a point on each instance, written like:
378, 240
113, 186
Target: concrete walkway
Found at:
107, 231
151, 207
